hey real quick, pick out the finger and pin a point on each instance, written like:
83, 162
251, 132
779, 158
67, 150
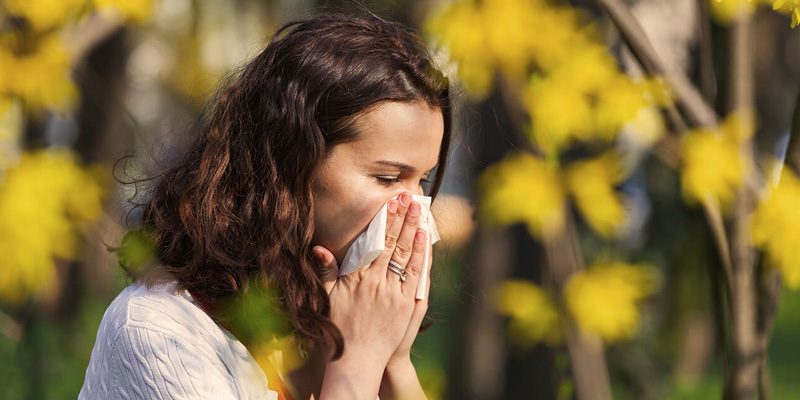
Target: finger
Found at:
414, 266
326, 267
392, 232
427, 271
405, 242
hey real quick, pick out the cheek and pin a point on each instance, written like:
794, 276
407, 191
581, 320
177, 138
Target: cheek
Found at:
344, 213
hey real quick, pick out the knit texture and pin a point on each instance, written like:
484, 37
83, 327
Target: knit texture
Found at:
156, 343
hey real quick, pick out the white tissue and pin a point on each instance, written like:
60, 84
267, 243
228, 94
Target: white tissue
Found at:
370, 244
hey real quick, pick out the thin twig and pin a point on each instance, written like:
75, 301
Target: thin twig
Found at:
698, 111
714, 216
708, 81
792, 159
744, 290
587, 360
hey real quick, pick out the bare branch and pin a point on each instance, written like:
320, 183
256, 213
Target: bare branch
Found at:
698, 111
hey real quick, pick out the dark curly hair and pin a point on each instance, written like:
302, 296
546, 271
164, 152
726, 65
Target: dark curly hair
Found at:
236, 207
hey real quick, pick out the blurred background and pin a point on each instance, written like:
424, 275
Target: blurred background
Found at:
620, 217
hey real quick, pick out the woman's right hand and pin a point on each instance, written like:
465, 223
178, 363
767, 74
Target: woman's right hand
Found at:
372, 307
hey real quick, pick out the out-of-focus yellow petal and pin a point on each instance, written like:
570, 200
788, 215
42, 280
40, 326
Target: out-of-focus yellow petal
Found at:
277, 357
726, 11
45, 199
533, 313
44, 14
604, 299
776, 228
460, 28
790, 7
40, 78
713, 167
591, 184
618, 102
522, 188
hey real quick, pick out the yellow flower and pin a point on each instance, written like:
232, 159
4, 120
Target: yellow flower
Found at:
560, 112
604, 299
43, 14
132, 10
522, 188
533, 313
618, 102
45, 202
727, 11
586, 98
40, 78
277, 357
591, 184
789, 7
713, 167
555, 36
505, 35
508, 25
646, 128
460, 28
776, 228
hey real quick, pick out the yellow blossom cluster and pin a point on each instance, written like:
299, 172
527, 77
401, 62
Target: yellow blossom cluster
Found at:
591, 184
532, 311
584, 98
45, 201
47, 14
577, 93
40, 77
35, 63
729, 10
524, 188
713, 166
776, 228
602, 300
791, 7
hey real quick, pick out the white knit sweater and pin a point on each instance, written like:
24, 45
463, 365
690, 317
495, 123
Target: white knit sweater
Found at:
157, 344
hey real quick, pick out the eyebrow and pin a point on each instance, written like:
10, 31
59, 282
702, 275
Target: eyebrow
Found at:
405, 168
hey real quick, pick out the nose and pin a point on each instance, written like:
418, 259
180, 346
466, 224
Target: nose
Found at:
412, 190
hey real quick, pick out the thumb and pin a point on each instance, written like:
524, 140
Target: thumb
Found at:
326, 267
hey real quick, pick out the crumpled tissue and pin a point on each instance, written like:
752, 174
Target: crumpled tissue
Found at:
370, 243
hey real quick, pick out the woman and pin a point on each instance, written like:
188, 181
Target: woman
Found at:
337, 116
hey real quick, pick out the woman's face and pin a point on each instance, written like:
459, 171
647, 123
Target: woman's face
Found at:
398, 146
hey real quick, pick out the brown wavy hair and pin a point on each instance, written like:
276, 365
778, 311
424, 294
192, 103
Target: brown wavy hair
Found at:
236, 206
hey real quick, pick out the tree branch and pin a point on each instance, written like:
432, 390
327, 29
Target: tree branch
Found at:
698, 111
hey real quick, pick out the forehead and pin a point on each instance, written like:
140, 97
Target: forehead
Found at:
406, 132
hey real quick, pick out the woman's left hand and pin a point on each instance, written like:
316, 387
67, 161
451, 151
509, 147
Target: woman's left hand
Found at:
402, 356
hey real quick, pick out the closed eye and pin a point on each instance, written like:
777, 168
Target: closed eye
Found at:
388, 181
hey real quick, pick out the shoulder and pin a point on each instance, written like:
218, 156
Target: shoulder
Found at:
155, 341
160, 308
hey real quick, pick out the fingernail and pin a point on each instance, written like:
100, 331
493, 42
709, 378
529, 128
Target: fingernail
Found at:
392, 206
405, 199
414, 209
